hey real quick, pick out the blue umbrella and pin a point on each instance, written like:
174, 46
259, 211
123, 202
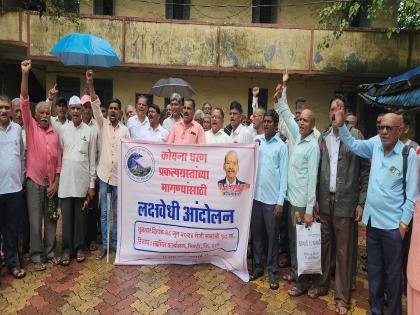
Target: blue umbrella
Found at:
85, 50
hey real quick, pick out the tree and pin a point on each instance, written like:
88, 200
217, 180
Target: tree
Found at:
343, 14
55, 9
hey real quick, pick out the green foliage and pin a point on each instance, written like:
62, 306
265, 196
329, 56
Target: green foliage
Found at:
56, 9
342, 14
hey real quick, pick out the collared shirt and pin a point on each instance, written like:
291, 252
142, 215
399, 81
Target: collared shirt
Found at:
303, 166
43, 148
385, 206
169, 122
56, 123
159, 134
218, 137
11, 157
107, 169
333, 145
271, 185
97, 135
252, 131
78, 172
192, 133
137, 128
241, 135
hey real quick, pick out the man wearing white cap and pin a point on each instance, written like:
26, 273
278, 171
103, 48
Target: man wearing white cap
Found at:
78, 174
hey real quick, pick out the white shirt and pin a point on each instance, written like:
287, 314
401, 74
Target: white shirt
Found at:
333, 146
97, 135
136, 128
218, 137
159, 134
252, 131
169, 122
79, 161
241, 135
56, 123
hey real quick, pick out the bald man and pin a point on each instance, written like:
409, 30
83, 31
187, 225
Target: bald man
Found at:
388, 209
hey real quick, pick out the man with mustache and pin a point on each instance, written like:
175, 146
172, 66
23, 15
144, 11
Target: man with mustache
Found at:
138, 124
60, 120
112, 131
176, 109
155, 132
187, 131
239, 133
216, 134
43, 169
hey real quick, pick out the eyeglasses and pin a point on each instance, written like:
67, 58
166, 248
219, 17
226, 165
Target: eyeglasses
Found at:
387, 128
216, 117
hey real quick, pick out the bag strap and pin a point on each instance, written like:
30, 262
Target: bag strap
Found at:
405, 152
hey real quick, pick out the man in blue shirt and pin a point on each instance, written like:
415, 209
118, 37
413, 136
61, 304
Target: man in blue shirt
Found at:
270, 190
388, 209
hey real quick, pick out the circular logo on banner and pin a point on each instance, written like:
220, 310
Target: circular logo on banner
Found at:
139, 164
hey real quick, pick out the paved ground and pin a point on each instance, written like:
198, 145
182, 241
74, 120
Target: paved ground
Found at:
95, 287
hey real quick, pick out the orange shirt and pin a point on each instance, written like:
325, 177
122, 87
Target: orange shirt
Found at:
192, 133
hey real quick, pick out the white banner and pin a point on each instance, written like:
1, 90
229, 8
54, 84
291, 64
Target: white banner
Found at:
185, 204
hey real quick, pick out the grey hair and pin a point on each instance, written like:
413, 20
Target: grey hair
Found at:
15, 101
199, 114
41, 104
175, 97
207, 116
231, 152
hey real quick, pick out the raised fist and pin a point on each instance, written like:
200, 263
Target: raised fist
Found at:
255, 91
89, 75
25, 65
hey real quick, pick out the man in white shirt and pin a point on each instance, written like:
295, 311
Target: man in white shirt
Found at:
207, 108
240, 133
216, 133
60, 109
257, 127
138, 124
155, 132
78, 174
176, 110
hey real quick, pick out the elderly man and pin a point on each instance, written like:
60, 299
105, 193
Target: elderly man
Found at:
351, 120
138, 124
301, 181
11, 177
239, 133
112, 131
206, 122
270, 191
207, 108
257, 126
216, 134
342, 186
389, 207
43, 169
130, 111
76, 181
187, 131
155, 132
176, 109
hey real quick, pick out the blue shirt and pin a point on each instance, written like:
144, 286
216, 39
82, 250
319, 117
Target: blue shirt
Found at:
11, 157
385, 206
271, 184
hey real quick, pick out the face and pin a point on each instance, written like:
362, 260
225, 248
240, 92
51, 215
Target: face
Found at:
207, 108
61, 110
113, 112
129, 111
257, 119
335, 106
168, 110
87, 112
76, 114
176, 108
231, 166
206, 123
352, 120
305, 123
104, 112
216, 121
17, 114
5, 112
270, 127
390, 129
153, 117
141, 106
235, 118
42, 116
188, 112
299, 109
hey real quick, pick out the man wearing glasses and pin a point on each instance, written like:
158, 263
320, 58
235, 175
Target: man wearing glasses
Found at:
388, 209
216, 134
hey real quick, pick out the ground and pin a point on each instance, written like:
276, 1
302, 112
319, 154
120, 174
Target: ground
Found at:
95, 287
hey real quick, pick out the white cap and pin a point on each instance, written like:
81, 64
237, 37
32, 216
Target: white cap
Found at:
75, 101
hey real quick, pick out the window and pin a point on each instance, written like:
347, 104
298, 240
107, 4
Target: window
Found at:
68, 86
104, 89
148, 96
104, 7
178, 9
264, 11
262, 99
71, 6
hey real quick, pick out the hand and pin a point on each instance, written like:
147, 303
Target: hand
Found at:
285, 77
25, 66
402, 232
278, 92
339, 118
52, 190
359, 213
316, 210
91, 193
52, 93
89, 75
308, 219
255, 91
278, 210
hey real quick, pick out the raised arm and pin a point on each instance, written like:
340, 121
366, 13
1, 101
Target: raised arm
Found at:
24, 97
96, 104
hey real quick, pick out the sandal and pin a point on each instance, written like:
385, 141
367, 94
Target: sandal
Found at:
17, 273
295, 292
316, 292
289, 277
56, 260
80, 256
341, 309
39, 266
65, 261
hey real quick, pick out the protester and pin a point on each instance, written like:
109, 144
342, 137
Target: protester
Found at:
388, 209
239, 133
176, 109
76, 181
11, 178
207, 108
187, 131
112, 131
257, 126
206, 122
104, 112
198, 116
255, 101
301, 181
351, 120
130, 111
342, 187
406, 123
155, 132
43, 145
413, 267
60, 109
270, 191
168, 110
216, 134
138, 124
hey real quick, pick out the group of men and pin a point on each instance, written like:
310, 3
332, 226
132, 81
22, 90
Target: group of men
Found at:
302, 175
